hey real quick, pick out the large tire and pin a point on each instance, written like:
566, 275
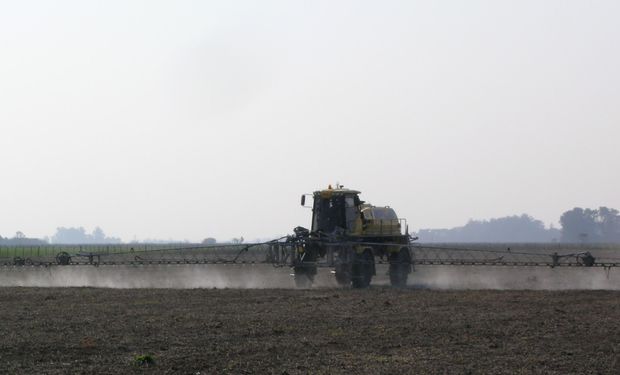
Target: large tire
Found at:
63, 258
303, 279
362, 269
400, 267
305, 269
343, 273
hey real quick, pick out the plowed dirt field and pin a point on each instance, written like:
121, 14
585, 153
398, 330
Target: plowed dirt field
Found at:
379, 330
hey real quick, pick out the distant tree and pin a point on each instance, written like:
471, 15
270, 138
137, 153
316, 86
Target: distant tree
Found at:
590, 225
579, 225
98, 236
20, 239
237, 240
609, 222
523, 228
209, 241
70, 236
79, 236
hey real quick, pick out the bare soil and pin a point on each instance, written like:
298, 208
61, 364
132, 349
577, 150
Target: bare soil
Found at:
379, 330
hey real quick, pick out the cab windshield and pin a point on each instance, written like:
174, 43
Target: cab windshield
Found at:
328, 214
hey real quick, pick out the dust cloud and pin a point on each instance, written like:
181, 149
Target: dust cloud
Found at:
526, 278
168, 276
266, 276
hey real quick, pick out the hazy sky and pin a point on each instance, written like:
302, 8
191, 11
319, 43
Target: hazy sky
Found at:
188, 119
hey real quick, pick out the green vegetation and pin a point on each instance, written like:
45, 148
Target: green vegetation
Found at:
144, 360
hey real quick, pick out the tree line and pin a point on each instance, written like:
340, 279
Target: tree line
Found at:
20, 239
578, 225
65, 236
587, 225
79, 235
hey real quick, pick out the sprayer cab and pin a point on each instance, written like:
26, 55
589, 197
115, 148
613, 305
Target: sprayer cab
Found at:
335, 210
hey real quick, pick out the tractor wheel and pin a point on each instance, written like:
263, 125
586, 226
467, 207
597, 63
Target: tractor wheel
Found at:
305, 269
303, 279
400, 267
63, 258
362, 269
19, 261
343, 273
